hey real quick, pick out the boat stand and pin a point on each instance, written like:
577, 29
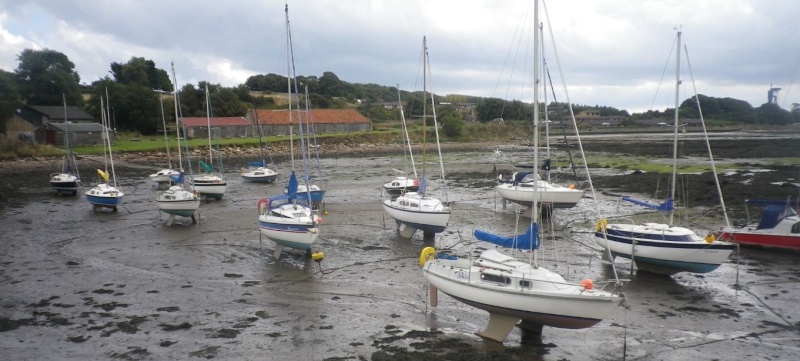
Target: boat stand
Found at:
499, 327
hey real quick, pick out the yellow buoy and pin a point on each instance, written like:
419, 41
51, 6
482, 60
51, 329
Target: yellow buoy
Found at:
317, 256
710, 238
601, 225
426, 254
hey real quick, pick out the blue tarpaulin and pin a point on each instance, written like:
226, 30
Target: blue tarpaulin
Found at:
526, 241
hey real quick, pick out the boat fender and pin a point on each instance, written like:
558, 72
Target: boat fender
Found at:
587, 284
601, 225
571, 186
319, 220
263, 203
710, 238
426, 254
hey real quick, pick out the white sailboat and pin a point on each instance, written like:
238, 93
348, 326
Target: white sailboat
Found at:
516, 292
177, 200
664, 248
67, 181
105, 194
288, 219
163, 175
258, 172
402, 184
418, 210
209, 184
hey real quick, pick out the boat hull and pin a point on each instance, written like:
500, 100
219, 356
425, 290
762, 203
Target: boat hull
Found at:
559, 197
762, 239
570, 307
65, 183
104, 196
163, 176
259, 178
260, 175
212, 189
663, 256
288, 233
185, 208
434, 221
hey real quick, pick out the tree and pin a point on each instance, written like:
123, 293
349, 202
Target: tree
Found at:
451, 120
132, 107
9, 98
773, 114
142, 72
489, 108
43, 76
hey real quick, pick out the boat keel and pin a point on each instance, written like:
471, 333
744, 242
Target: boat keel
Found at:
278, 250
499, 327
405, 230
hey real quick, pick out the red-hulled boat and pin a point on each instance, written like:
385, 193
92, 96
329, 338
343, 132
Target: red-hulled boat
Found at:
779, 228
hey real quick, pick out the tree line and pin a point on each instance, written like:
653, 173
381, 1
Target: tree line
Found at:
135, 92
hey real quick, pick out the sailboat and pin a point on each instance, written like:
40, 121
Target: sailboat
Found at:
68, 180
177, 200
288, 219
513, 291
258, 171
418, 210
103, 194
402, 184
664, 248
163, 175
209, 184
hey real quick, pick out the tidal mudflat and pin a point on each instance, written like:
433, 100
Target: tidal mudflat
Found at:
77, 285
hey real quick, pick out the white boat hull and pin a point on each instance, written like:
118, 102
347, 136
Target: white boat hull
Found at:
536, 296
210, 186
163, 176
425, 213
553, 195
662, 249
177, 201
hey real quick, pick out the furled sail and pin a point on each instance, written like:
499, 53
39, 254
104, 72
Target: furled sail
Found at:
525, 241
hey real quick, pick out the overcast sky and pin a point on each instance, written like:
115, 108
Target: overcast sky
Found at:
612, 52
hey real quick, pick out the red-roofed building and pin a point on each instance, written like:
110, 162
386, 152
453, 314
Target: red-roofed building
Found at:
276, 122
223, 127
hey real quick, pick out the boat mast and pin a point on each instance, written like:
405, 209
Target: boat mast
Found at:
177, 118
289, 85
675, 130
405, 131
208, 118
164, 124
424, 109
544, 93
536, 60
66, 139
436, 131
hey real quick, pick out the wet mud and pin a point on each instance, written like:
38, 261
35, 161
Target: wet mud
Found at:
77, 284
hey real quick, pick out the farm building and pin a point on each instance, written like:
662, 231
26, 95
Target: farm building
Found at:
222, 127
80, 134
27, 119
320, 121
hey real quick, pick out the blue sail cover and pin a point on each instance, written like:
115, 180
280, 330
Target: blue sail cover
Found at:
257, 164
526, 241
291, 189
774, 214
177, 178
423, 185
667, 206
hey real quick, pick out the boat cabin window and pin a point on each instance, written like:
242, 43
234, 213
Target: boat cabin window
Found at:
496, 278
796, 228
525, 284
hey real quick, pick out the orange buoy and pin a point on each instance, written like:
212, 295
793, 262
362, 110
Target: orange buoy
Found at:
587, 284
